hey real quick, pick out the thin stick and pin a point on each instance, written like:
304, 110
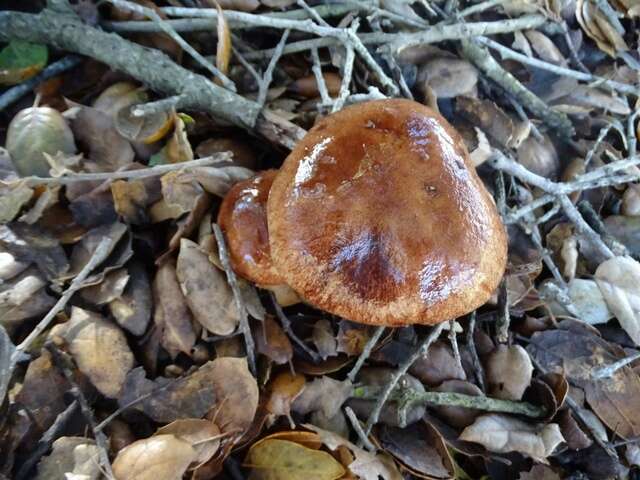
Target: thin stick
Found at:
237, 295
166, 28
163, 105
607, 371
317, 72
471, 345
347, 72
128, 174
421, 351
268, 74
453, 340
355, 423
366, 353
584, 228
286, 326
15, 93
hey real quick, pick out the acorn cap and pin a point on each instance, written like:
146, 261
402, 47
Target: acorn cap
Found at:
378, 216
243, 219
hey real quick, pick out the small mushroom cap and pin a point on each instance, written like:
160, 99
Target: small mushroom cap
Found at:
243, 219
378, 216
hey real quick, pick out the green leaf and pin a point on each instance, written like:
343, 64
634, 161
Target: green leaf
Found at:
21, 60
157, 159
274, 459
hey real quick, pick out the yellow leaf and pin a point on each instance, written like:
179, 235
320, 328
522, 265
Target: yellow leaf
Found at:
273, 459
223, 50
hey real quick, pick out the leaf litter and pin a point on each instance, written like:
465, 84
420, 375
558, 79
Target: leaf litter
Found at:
142, 366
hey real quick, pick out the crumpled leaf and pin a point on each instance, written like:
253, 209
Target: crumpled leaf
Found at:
324, 339
223, 48
323, 394
46, 199
71, 456
111, 287
201, 434
171, 312
365, 465
132, 310
509, 372
588, 301
274, 459
501, 434
619, 281
100, 350
161, 457
130, 200
23, 297
13, 198
206, 290
178, 149
284, 389
597, 25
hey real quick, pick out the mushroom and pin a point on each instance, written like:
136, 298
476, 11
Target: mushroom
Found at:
378, 216
243, 219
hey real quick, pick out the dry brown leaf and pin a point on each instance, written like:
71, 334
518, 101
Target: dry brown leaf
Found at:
366, 465
578, 351
111, 288
272, 341
118, 96
178, 149
324, 339
236, 392
100, 350
71, 457
180, 190
544, 47
323, 394
539, 156
145, 129
23, 296
598, 27
274, 459
619, 281
284, 389
13, 198
438, 366
539, 472
631, 200
449, 77
501, 434
47, 199
130, 200
171, 312
132, 310
161, 457
206, 290
202, 435
509, 372
223, 49
458, 417
308, 87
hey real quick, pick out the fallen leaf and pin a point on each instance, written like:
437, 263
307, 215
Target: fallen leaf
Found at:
438, 366
324, 339
539, 156
206, 290
77, 456
619, 281
458, 417
631, 200
118, 96
7, 362
161, 457
509, 372
577, 351
323, 394
21, 60
308, 87
501, 434
33, 132
100, 350
202, 435
223, 48
539, 472
13, 198
22, 297
352, 337
178, 149
130, 200
283, 390
544, 47
365, 465
573, 434
274, 459
132, 310
588, 301
148, 128
171, 312
449, 77
111, 287
272, 341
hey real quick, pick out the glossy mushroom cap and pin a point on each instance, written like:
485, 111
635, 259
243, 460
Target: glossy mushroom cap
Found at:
378, 216
243, 219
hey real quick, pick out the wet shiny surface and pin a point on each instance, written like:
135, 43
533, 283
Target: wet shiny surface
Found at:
243, 219
377, 216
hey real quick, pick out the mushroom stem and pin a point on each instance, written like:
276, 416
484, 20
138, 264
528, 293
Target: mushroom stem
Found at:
410, 397
421, 351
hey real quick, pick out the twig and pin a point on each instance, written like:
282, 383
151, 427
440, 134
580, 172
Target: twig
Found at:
632, 138
492, 69
453, 340
409, 397
48, 437
327, 10
268, 74
550, 67
317, 73
366, 353
504, 319
481, 7
593, 219
607, 371
312, 13
15, 93
286, 326
237, 295
373, 94
584, 229
152, 108
128, 174
589, 156
166, 28
347, 72
471, 345
243, 61
421, 351
102, 441
355, 423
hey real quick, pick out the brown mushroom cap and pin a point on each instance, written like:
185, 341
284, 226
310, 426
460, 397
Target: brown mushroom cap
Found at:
378, 216
243, 219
